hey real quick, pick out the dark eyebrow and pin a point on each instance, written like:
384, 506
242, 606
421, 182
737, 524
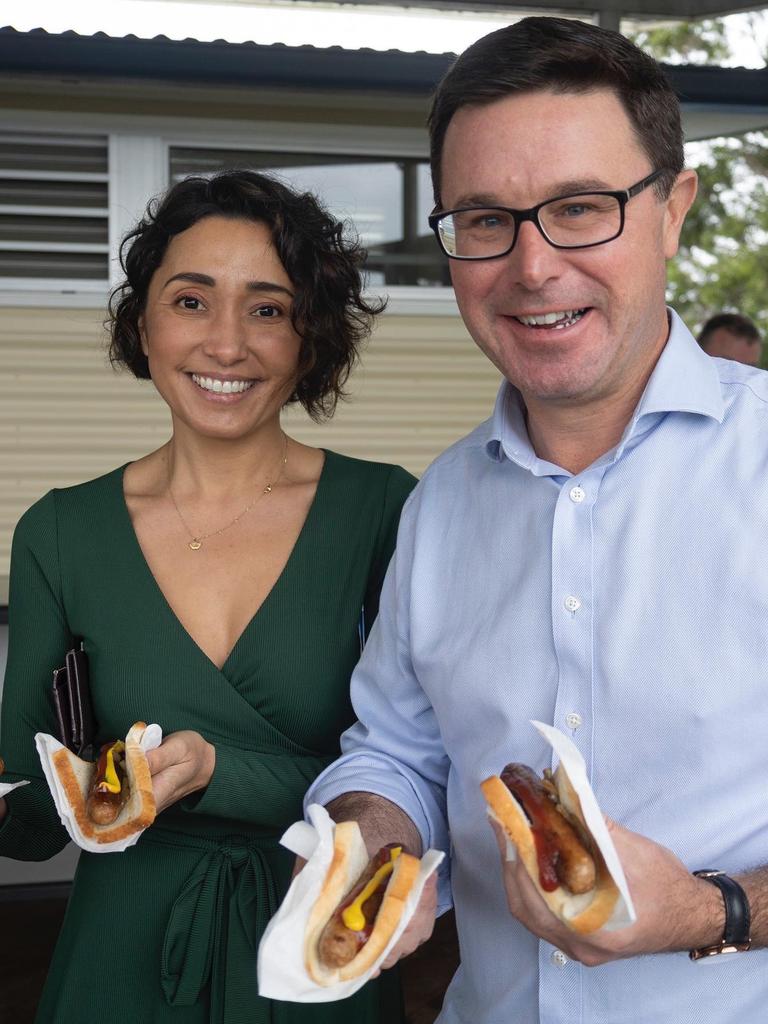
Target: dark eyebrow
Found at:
254, 286
562, 188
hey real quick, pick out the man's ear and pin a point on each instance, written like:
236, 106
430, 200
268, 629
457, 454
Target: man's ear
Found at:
678, 204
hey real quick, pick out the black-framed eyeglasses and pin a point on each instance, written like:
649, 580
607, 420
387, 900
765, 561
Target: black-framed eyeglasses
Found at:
578, 220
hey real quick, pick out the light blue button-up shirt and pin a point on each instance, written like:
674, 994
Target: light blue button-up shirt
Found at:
628, 606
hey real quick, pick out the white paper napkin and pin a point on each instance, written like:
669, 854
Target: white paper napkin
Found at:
46, 748
571, 759
6, 787
282, 974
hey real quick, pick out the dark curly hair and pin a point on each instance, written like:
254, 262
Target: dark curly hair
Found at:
568, 56
329, 312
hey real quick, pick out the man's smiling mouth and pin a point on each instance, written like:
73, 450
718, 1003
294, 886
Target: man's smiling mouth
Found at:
557, 321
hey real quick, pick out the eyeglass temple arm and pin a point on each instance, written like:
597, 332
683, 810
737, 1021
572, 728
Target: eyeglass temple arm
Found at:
641, 185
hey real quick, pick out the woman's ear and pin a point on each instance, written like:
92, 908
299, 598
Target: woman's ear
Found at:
143, 336
678, 203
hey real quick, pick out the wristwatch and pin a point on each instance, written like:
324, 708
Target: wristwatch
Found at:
736, 938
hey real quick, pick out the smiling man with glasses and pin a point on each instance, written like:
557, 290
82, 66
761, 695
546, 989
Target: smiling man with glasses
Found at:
589, 557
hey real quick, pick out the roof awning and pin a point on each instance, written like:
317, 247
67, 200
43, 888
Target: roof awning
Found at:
715, 100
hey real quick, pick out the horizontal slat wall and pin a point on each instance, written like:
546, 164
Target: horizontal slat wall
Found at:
421, 385
65, 416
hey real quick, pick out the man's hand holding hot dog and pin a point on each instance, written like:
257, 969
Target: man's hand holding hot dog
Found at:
675, 909
383, 822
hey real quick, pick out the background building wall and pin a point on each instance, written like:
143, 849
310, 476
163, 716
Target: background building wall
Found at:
67, 416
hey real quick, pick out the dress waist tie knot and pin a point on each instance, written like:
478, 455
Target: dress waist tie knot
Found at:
214, 926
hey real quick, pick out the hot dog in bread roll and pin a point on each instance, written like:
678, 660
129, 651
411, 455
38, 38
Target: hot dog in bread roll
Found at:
111, 798
361, 903
543, 818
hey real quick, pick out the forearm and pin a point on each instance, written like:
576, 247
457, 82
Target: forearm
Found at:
755, 885
30, 828
704, 922
380, 821
262, 789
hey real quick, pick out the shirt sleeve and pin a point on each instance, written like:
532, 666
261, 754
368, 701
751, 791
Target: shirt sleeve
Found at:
395, 749
38, 639
399, 485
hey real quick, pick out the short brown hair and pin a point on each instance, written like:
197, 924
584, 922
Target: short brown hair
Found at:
329, 312
564, 55
736, 323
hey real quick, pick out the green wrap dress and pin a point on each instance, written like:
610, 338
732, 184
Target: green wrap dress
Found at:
168, 930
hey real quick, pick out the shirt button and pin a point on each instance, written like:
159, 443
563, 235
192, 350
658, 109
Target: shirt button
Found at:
573, 720
577, 495
559, 959
572, 604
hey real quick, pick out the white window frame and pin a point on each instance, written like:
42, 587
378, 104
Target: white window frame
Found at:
139, 158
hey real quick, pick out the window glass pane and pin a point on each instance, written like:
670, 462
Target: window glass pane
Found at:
382, 201
369, 195
426, 199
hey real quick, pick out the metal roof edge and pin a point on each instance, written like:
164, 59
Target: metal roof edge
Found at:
39, 52
299, 67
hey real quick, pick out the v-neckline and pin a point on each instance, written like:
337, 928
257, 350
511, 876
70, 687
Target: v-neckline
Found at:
299, 542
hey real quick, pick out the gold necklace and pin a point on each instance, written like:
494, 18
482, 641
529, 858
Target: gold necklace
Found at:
196, 541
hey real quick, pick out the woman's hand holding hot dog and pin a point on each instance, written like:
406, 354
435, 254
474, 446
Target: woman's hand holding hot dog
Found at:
675, 910
182, 764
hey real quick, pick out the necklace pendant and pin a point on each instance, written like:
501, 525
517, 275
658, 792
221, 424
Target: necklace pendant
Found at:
195, 544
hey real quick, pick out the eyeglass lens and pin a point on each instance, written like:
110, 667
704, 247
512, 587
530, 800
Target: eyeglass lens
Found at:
569, 221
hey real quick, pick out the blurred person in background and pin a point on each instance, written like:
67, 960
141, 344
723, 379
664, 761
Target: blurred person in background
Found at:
732, 336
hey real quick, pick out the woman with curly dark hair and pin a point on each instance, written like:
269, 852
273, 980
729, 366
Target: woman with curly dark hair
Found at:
218, 585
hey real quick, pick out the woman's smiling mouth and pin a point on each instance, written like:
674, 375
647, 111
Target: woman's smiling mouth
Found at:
222, 387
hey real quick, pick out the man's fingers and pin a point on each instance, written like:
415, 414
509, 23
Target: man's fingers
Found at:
419, 928
507, 849
298, 864
501, 841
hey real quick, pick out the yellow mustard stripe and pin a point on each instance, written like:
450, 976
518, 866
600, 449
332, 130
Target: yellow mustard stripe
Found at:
111, 781
353, 916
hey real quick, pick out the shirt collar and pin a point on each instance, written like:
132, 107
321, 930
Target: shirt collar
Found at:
685, 380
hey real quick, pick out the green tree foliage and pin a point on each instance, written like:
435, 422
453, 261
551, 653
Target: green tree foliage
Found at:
723, 258
685, 42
